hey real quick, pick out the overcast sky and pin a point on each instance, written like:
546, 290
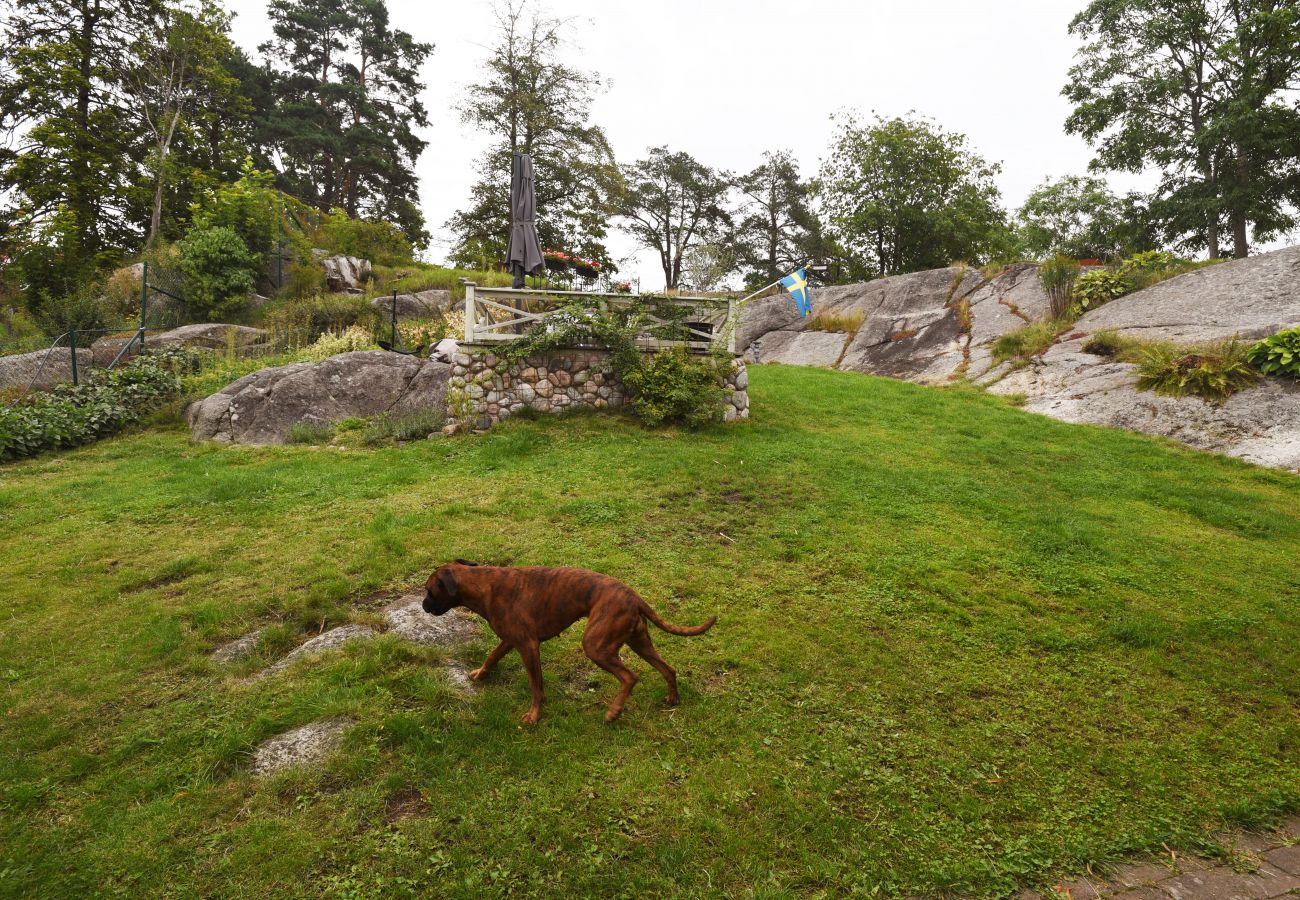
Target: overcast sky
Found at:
727, 79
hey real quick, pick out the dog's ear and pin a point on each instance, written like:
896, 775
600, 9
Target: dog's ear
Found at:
448, 583
465, 562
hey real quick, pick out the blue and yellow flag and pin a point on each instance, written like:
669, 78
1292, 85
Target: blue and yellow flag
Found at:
797, 285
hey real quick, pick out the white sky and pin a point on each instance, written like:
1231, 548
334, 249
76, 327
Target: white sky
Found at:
727, 79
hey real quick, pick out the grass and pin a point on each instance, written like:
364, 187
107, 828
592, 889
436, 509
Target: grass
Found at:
848, 323
310, 433
411, 426
1029, 341
961, 649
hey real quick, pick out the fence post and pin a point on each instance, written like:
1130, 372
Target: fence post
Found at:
144, 300
72, 340
469, 312
733, 322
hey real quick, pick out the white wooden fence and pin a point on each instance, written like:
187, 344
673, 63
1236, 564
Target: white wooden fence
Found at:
506, 314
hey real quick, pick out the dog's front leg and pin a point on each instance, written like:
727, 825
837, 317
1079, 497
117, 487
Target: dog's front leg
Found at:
493, 658
532, 657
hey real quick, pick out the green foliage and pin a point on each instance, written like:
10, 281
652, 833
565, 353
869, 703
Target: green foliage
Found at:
669, 386
105, 403
1107, 343
380, 242
904, 195
672, 203
217, 268
1098, 286
1213, 373
299, 321
251, 207
83, 309
1032, 340
673, 386
1058, 276
19, 332
1078, 216
779, 231
409, 426
1278, 354
310, 432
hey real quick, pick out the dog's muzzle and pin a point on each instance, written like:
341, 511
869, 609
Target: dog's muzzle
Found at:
431, 605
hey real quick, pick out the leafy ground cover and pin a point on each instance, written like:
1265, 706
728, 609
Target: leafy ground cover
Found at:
961, 648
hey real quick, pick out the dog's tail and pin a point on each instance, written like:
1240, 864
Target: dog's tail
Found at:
681, 630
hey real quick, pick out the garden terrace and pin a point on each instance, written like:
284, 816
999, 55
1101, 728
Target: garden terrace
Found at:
494, 315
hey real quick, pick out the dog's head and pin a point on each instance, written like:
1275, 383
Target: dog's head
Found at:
442, 590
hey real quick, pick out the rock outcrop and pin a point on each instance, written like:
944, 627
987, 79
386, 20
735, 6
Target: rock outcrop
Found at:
262, 407
308, 745
1250, 298
42, 368
208, 335
1261, 424
346, 274
421, 305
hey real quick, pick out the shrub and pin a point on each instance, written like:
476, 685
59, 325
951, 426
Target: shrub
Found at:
310, 433
1029, 341
1098, 286
411, 426
251, 207
1106, 343
83, 310
19, 332
380, 242
333, 343
674, 386
1279, 354
70, 415
217, 268
1213, 373
122, 293
1058, 275
297, 322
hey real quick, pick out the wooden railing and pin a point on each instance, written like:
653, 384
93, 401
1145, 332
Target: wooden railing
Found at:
506, 314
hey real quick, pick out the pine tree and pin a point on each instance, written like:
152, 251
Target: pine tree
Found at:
778, 230
348, 87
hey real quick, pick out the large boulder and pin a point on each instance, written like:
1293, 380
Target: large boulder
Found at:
1250, 298
420, 305
1261, 424
208, 335
345, 274
261, 408
43, 368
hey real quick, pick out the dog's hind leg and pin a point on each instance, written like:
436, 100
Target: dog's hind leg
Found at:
608, 660
644, 647
493, 658
532, 657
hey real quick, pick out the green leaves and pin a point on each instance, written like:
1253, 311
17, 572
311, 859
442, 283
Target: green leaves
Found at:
218, 270
1098, 286
1279, 354
1213, 373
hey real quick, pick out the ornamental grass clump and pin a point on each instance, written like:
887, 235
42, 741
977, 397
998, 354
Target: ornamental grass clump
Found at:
1213, 373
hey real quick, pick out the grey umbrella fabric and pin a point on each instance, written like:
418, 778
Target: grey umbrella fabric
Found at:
524, 253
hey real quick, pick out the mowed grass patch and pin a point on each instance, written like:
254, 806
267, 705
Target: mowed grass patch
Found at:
961, 648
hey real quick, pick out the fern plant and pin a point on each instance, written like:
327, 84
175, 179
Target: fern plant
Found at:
1213, 373
1279, 354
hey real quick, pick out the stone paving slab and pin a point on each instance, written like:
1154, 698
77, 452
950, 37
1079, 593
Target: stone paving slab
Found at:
1276, 873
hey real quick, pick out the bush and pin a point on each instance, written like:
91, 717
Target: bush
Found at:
412, 426
380, 242
1031, 340
83, 310
1098, 286
298, 322
105, 403
217, 268
1058, 275
1279, 354
19, 332
1213, 373
310, 433
347, 341
251, 207
674, 386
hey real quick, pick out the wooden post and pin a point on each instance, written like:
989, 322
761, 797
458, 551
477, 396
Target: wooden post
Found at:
733, 322
469, 311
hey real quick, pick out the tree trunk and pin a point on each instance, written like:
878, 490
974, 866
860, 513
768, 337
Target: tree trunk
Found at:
1237, 211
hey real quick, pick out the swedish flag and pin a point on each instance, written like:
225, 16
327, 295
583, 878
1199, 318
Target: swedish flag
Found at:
797, 285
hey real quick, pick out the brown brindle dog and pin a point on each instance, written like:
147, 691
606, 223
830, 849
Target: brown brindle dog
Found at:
526, 605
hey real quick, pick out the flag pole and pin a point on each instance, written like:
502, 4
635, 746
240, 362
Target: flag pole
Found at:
742, 301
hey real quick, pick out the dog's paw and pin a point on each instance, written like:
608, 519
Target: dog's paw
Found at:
613, 714
670, 702
477, 674
531, 717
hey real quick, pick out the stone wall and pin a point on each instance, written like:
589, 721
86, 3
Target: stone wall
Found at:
485, 388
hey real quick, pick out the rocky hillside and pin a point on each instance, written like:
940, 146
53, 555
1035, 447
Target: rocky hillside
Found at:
939, 326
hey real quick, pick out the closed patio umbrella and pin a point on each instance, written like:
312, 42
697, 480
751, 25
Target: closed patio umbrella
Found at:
524, 252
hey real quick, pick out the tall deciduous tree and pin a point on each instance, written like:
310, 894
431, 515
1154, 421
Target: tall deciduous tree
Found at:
1080, 216
531, 101
69, 152
672, 203
348, 105
1199, 90
778, 229
904, 195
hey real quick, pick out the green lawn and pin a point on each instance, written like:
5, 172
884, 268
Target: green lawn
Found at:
961, 648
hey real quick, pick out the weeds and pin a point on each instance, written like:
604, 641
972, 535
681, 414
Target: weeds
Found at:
310, 432
412, 426
1032, 340
847, 323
